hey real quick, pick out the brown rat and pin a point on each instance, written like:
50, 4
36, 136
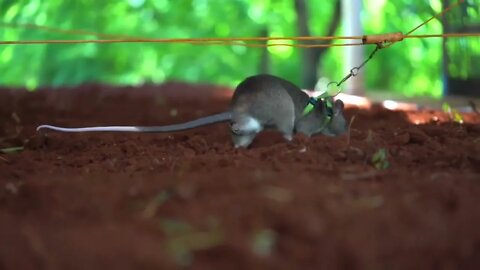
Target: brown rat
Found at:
259, 102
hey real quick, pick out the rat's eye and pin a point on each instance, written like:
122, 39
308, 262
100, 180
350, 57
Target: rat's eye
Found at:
234, 128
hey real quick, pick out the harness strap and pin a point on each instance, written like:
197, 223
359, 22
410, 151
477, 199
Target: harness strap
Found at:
312, 102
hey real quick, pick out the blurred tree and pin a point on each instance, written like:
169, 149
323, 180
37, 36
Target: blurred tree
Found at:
460, 56
353, 56
264, 66
311, 57
411, 67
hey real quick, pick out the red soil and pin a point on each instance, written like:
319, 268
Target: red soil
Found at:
165, 201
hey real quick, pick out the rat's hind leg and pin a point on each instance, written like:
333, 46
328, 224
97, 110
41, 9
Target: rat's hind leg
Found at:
286, 127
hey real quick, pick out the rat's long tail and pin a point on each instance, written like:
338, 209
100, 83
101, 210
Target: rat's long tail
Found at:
208, 120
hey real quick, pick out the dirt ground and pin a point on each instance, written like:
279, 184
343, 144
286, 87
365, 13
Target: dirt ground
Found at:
189, 199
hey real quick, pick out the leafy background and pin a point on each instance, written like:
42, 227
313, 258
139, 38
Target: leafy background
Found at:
411, 68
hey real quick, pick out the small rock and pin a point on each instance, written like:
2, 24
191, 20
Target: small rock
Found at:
355, 154
278, 194
340, 156
223, 162
401, 139
187, 152
359, 175
441, 164
185, 190
473, 128
434, 131
173, 112
12, 188
417, 136
36, 142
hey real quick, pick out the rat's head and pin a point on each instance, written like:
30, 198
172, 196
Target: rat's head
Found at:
338, 124
244, 128
326, 118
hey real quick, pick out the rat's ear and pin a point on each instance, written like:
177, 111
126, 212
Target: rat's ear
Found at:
338, 108
320, 105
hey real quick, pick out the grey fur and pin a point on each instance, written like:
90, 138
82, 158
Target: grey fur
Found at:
204, 121
259, 102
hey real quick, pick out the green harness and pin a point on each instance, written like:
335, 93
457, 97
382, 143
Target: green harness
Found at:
312, 102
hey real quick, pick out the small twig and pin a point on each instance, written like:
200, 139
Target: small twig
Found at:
4, 159
152, 206
37, 245
16, 118
9, 150
349, 130
473, 106
369, 139
359, 175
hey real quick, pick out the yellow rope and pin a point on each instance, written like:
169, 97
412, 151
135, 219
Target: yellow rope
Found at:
192, 41
228, 41
240, 41
448, 35
445, 10
125, 37
435, 16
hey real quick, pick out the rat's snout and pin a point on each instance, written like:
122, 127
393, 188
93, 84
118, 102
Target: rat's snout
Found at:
337, 127
341, 126
245, 125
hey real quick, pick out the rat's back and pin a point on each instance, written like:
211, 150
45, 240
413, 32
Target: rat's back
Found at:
264, 101
263, 95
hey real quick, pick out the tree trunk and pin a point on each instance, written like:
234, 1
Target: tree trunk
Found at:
264, 65
311, 57
446, 29
458, 21
354, 55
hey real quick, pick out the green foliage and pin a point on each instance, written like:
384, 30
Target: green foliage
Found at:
10, 150
464, 55
452, 113
263, 242
152, 206
183, 239
380, 159
412, 67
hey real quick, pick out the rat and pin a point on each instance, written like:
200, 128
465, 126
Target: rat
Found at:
259, 102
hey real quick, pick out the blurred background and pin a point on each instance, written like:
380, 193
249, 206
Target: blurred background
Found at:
431, 67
